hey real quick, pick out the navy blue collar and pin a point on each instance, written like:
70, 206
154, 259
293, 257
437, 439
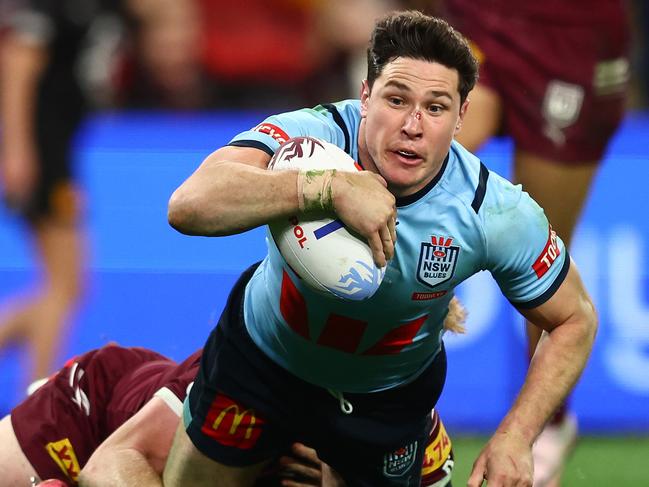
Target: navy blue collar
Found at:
408, 200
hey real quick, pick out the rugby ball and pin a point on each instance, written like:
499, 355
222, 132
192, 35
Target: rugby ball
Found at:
322, 252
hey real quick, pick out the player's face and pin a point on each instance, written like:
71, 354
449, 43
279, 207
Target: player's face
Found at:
410, 117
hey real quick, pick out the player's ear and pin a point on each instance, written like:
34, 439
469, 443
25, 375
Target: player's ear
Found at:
365, 95
460, 119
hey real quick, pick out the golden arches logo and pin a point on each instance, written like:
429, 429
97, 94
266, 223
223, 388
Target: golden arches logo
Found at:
236, 420
229, 423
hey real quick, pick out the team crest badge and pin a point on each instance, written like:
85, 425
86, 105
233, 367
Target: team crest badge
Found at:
437, 261
561, 108
399, 461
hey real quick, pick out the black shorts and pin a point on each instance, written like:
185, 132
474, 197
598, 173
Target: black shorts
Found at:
244, 409
59, 113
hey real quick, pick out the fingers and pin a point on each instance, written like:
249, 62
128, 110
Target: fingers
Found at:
293, 469
380, 179
363, 203
296, 483
376, 246
305, 453
302, 471
392, 226
478, 474
387, 242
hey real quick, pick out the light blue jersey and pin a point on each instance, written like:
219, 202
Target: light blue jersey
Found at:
466, 220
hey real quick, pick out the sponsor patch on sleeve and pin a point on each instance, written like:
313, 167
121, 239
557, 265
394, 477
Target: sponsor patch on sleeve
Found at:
273, 130
549, 254
231, 424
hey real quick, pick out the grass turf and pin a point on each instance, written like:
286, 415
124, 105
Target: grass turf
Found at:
596, 462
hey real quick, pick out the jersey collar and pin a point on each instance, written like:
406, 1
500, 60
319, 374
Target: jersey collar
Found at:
410, 199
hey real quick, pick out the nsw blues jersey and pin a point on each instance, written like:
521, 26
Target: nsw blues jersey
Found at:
466, 220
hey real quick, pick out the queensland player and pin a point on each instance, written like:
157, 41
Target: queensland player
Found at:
108, 418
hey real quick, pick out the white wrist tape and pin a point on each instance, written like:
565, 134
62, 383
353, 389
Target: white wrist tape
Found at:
314, 192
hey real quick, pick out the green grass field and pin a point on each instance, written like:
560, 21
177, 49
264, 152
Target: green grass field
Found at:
597, 461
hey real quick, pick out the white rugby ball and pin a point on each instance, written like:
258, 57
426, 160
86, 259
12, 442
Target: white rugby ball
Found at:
323, 253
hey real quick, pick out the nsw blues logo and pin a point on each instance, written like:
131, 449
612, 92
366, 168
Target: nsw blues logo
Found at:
437, 261
398, 462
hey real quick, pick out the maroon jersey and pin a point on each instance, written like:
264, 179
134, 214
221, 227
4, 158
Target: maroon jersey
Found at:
154, 378
561, 69
64, 421
576, 12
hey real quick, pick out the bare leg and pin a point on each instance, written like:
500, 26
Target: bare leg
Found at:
15, 318
37, 319
60, 245
15, 468
188, 466
482, 119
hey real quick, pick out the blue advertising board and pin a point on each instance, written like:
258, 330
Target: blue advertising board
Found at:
151, 286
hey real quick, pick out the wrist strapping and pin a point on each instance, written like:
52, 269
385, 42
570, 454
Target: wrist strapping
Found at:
314, 191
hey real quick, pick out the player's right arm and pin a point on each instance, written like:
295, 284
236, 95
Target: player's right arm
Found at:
135, 453
232, 191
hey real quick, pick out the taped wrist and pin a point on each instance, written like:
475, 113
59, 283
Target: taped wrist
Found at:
314, 191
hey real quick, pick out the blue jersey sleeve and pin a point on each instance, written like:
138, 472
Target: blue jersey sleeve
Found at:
525, 256
277, 129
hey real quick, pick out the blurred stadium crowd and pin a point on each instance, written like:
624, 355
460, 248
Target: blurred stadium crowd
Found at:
192, 54
202, 54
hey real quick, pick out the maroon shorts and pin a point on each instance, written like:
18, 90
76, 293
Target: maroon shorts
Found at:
562, 85
62, 423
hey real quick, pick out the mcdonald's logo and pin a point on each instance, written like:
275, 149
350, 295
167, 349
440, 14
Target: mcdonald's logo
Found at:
232, 425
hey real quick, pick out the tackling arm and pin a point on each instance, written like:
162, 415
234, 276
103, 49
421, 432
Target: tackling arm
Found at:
570, 321
135, 454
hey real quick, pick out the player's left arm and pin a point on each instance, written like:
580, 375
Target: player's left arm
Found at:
135, 454
534, 271
570, 320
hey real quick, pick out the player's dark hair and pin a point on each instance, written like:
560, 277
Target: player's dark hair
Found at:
412, 34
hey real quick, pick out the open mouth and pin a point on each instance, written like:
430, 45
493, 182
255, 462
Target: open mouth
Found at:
409, 156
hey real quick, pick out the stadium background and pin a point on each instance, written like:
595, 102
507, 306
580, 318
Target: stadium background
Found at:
148, 285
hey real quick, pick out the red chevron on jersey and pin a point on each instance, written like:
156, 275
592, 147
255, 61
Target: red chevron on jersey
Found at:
293, 307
